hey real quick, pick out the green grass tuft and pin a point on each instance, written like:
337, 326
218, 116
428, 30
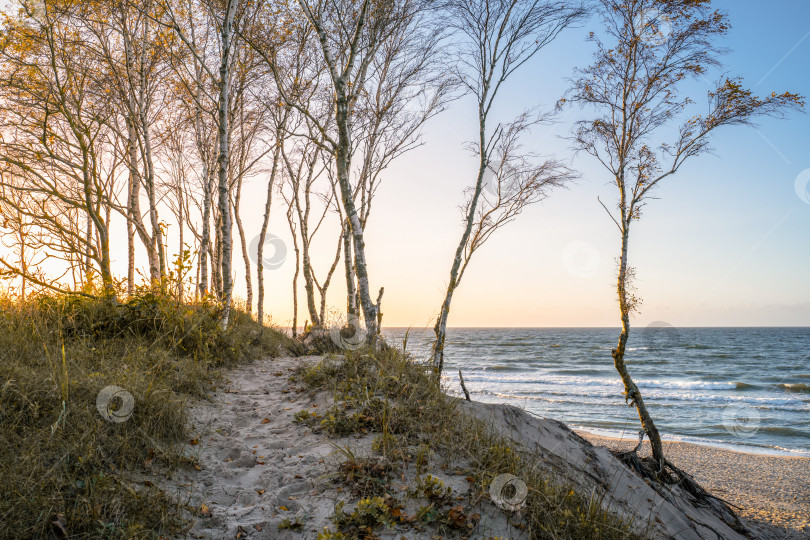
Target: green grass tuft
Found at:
399, 399
67, 470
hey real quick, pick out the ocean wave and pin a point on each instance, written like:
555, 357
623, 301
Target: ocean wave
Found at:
797, 388
659, 396
573, 380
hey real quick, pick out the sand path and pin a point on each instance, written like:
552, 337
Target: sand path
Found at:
257, 466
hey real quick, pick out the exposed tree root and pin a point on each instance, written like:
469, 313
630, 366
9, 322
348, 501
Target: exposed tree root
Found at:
662, 482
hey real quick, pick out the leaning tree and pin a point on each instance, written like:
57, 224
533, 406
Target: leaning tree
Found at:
634, 94
494, 38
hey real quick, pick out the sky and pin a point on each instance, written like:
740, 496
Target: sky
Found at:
726, 243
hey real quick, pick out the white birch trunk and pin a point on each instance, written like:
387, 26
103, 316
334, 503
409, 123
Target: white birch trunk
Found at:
440, 329
222, 161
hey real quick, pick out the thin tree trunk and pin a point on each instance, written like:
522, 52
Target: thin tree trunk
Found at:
181, 247
134, 205
309, 285
130, 243
632, 393
295, 275
245, 256
440, 329
351, 291
325, 287
23, 262
87, 257
222, 161
216, 256
205, 240
265, 223
134, 216
358, 243
157, 232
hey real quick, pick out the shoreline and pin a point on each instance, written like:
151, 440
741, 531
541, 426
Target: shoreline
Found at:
772, 492
719, 445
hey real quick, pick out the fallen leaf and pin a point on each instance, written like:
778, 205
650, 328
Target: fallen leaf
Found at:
260, 491
456, 515
260, 462
298, 476
204, 510
266, 421
197, 467
60, 524
284, 508
192, 442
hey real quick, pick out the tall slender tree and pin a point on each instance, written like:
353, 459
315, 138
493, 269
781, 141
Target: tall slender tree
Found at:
634, 92
494, 39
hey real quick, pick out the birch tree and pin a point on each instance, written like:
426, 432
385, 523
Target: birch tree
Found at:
132, 53
223, 140
54, 167
304, 165
633, 93
223, 17
495, 38
349, 36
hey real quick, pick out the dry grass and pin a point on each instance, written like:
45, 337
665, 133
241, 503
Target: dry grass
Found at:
68, 472
401, 402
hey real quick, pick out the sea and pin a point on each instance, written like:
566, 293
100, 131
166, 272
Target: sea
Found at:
746, 389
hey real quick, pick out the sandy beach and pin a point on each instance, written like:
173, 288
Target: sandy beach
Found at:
772, 492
